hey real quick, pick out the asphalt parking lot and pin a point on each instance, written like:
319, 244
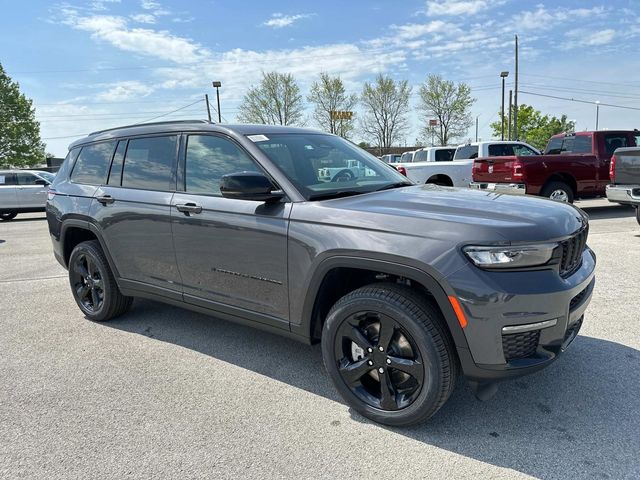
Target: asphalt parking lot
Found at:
165, 393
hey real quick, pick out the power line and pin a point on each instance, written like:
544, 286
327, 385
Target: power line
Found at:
590, 102
581, 80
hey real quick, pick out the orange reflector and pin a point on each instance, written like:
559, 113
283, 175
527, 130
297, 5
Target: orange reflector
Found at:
458, 309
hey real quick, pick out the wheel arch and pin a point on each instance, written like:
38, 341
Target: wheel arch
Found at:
563, 177
75, 231
319, 300
440, 179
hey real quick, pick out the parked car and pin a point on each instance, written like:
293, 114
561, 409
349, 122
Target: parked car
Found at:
23, 191
391, 158
456, 173
574, 165
406, 286
434, 154
624, 175
407, 157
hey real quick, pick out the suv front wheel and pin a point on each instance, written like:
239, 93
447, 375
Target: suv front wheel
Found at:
93, 284
387, 350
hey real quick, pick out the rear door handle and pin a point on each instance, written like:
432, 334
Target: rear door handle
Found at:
188, 208
106, 199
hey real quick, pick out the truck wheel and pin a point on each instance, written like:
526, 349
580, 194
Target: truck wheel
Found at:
389, 355
558, 191
5, 217
93, 285
637, 214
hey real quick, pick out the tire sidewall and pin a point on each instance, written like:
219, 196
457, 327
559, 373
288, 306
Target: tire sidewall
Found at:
429, 393
105, 273
549, 189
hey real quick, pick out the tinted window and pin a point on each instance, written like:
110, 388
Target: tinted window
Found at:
67, 165
8, 179
209, 158
149, 163
115, 175
26, 178
613, 141
48, 176
554, 147
420, 156
92, 164
444, 155
406, 157
466, 151
501, 150
582, 144
523, 151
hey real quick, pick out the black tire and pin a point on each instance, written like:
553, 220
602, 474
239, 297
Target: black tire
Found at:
637, 214
5, 217
93, 285
557, 190
416, 322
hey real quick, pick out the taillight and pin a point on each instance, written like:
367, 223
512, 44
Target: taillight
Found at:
51, 193
517, 170
612, 169
475, 168
402, 170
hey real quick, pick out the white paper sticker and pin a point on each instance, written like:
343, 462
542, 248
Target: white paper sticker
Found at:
1, 179
257, 138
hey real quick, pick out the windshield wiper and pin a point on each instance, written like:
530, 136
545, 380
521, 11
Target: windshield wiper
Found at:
338, 194
393, 185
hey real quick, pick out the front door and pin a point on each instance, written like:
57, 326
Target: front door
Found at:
232, 254
30, 194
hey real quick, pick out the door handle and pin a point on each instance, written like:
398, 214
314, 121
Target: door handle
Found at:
106, 199
188, 208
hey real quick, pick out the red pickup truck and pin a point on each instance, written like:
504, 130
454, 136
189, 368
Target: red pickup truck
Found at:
574, 165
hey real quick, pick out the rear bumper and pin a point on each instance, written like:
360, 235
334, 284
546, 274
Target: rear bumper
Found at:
626, 194
512, 188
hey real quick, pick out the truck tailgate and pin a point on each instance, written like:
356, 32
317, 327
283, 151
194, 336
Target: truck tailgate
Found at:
493, 169
627, 169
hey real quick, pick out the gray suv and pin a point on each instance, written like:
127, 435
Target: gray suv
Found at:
406, 287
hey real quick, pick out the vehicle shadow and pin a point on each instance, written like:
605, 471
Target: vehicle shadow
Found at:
19, 219
579, 417
613, 211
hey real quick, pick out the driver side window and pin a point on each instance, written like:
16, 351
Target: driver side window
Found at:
208, 159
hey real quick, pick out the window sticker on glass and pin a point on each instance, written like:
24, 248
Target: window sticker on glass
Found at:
258, 138
1, 179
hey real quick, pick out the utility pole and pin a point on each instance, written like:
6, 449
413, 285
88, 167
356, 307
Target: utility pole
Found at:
477, 127
217, 85
597, 113
206, 99
515, 99
509, 118
503, 75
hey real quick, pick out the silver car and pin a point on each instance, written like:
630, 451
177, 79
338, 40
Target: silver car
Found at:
23, 191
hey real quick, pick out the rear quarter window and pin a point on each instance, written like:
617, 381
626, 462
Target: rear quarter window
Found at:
150, 163
93, 163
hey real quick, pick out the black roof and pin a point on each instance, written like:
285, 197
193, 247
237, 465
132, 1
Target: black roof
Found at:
187, 125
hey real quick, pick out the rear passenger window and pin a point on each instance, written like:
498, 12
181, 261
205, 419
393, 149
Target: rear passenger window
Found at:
115, 175
523, 151
92, 164
209, 158
613, 141
554, 147
444, 155
466, 151
501, 150
582, 144
8, 179
26, 179
149, 163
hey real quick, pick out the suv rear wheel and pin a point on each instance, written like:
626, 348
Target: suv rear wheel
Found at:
7, 216
389, 355
93, 284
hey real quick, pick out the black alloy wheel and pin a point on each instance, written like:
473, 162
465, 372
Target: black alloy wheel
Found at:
88, 283
7, 216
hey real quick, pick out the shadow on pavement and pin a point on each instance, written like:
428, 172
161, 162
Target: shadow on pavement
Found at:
579, 417
609, 211
19, 219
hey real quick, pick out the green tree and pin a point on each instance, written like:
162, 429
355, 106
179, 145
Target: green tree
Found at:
275, 101
534, 127
20, 144
386, 105
329, 95
449, 104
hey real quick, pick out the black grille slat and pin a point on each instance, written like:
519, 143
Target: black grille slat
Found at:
520, 345
572, 250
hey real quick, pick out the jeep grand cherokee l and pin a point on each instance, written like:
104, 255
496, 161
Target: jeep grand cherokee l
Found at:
406, 286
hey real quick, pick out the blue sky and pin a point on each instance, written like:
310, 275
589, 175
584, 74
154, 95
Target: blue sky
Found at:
97, 64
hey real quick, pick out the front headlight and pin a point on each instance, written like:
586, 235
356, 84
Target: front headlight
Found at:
510, 256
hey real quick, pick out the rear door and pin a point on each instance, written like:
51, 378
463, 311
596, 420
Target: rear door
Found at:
8, 191
30, 194
133, 210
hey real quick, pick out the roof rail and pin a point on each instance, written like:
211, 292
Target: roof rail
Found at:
167, 122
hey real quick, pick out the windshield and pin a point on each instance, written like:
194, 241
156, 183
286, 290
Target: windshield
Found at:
325, 165
47, 176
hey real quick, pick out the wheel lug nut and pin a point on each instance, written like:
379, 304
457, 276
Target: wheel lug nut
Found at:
369, 349
388, 362
370, 362
381, 370
381, 349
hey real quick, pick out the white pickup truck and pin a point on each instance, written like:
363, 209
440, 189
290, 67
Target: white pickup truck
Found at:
457, 172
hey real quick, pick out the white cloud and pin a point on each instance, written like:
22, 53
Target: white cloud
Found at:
149, 5
416, 30
278, 20
125, 90
456, 7
588, 38
543, 19
144, 18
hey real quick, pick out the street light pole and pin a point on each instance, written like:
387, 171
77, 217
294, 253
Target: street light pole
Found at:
477, 127
597, 113
503, 75
217, 86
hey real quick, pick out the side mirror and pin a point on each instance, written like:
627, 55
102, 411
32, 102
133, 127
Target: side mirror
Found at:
42, 182
249, 186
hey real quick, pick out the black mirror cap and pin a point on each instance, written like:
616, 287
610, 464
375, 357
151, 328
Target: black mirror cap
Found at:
249, 186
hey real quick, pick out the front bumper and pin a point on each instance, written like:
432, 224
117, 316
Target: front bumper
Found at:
625, 194
546, 310
512, 188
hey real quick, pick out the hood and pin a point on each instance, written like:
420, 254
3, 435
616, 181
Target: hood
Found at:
431, 210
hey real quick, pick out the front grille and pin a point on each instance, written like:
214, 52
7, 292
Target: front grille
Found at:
572, 252
520, 345
575, 301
